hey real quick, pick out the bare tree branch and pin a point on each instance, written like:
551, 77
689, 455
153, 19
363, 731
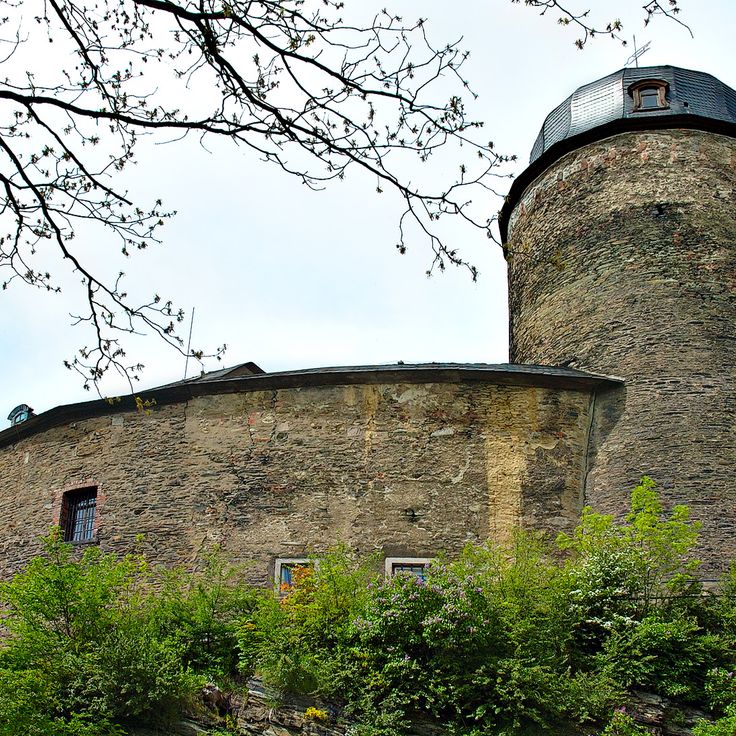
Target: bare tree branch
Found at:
581, 20
289, 79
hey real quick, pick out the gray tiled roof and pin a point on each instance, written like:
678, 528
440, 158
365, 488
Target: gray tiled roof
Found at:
690, 93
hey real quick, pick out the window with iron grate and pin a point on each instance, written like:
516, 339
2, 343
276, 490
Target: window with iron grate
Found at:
78, 509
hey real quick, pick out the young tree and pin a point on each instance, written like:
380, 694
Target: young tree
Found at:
304, 86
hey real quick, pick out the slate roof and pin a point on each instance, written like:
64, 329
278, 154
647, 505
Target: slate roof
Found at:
234, 371
690, 93
603, 108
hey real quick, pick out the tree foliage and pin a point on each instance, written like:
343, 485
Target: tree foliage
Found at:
500, 641
83, 654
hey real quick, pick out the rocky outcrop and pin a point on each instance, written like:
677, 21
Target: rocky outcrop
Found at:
260, 711
662, 716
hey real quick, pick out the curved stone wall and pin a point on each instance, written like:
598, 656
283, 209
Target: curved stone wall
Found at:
411, 469
622, 260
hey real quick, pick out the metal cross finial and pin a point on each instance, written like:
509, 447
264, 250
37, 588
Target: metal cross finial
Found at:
634, 58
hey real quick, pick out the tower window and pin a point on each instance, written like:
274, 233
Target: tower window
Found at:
78, 511
649, 95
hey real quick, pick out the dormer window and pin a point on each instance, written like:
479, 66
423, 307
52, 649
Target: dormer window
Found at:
20, 414
648, 95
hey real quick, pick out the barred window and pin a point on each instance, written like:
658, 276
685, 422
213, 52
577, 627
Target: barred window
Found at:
78, 509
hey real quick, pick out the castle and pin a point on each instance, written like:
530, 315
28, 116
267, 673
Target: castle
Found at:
620, 239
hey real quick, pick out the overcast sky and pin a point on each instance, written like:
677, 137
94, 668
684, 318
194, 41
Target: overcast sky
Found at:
291, 279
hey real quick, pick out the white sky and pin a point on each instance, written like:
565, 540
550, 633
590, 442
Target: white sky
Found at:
293, 279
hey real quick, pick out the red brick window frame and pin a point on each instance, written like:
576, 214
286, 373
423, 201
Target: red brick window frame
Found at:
77, 512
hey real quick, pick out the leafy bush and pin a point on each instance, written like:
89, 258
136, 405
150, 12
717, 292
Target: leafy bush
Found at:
669, 656
505, 642
26, 698
83, 651
200, 612
624, 725
725, 726
721, 693
634, 568
479, 645
295, 638
499, 642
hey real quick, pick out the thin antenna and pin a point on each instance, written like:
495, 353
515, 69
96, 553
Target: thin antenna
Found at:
189, 345
634, 58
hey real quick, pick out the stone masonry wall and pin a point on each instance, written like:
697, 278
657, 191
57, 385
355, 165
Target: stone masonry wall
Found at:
410, 469
622, 260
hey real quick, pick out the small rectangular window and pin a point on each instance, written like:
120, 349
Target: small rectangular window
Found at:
416, 566
78, 509
649, 98
418, 571
288, 570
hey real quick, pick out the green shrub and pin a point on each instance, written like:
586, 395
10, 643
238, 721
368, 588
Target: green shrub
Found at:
638, 566
724, 726
83, 652
479, 645
295, 638
624, 725
526, 640
669, 656
200, 612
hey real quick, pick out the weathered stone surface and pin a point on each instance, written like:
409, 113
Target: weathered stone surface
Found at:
409, 469
262, 712
661, 716
622, 260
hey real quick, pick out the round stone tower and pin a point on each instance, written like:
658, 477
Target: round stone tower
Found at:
620, 240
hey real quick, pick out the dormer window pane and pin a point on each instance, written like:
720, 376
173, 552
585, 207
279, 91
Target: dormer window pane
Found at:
649, 98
